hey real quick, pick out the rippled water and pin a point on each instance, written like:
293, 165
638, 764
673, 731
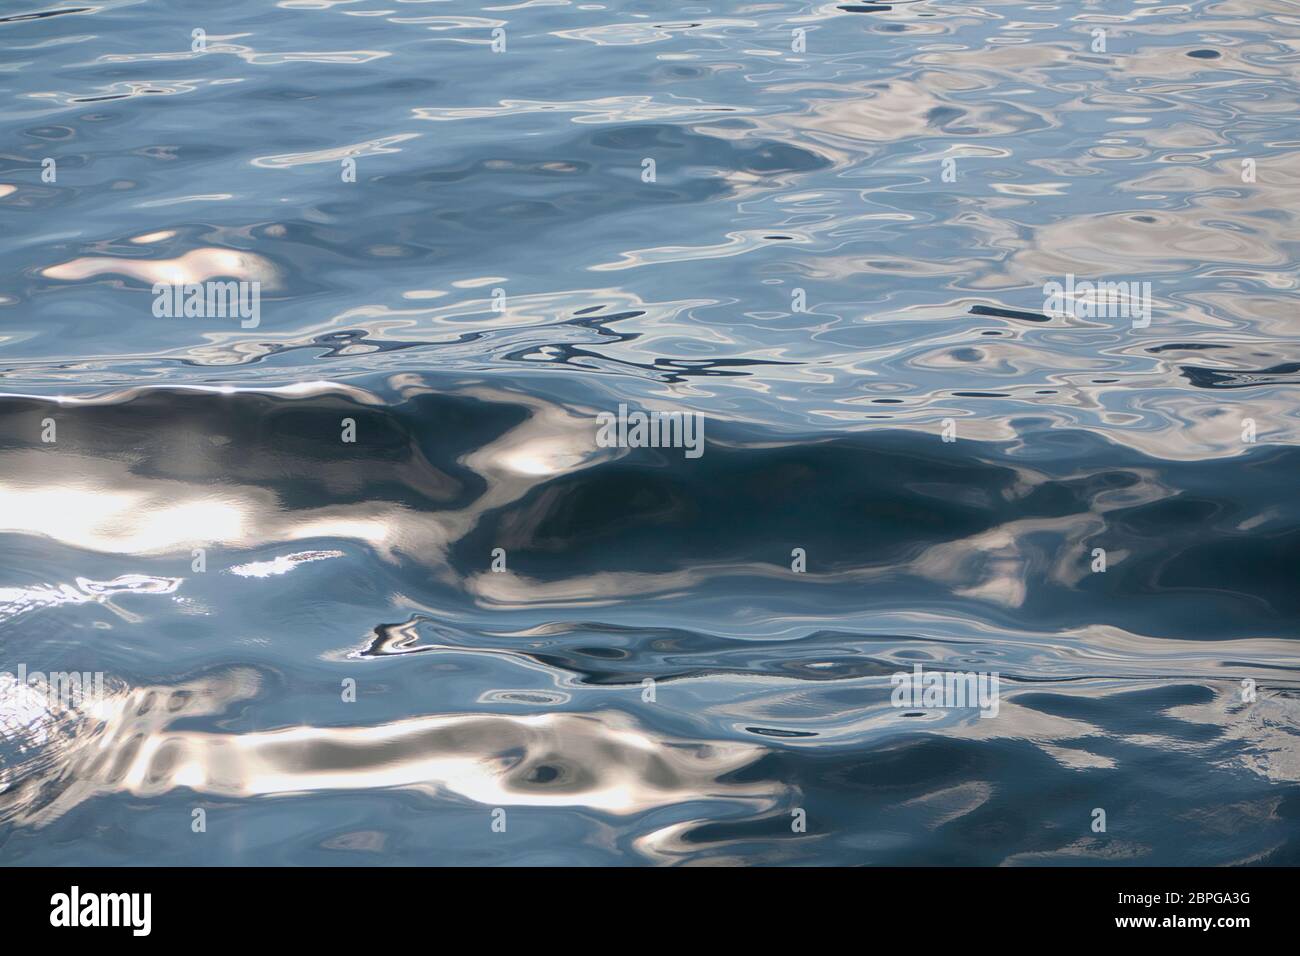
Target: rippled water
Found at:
839, 261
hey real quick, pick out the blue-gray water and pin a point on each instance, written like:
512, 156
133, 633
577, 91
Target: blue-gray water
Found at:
649, 680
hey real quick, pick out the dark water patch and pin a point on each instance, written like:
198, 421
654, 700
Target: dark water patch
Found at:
43, 14
1283, 374
1008, 313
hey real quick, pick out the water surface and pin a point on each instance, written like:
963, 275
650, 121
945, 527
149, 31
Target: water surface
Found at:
840, 258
